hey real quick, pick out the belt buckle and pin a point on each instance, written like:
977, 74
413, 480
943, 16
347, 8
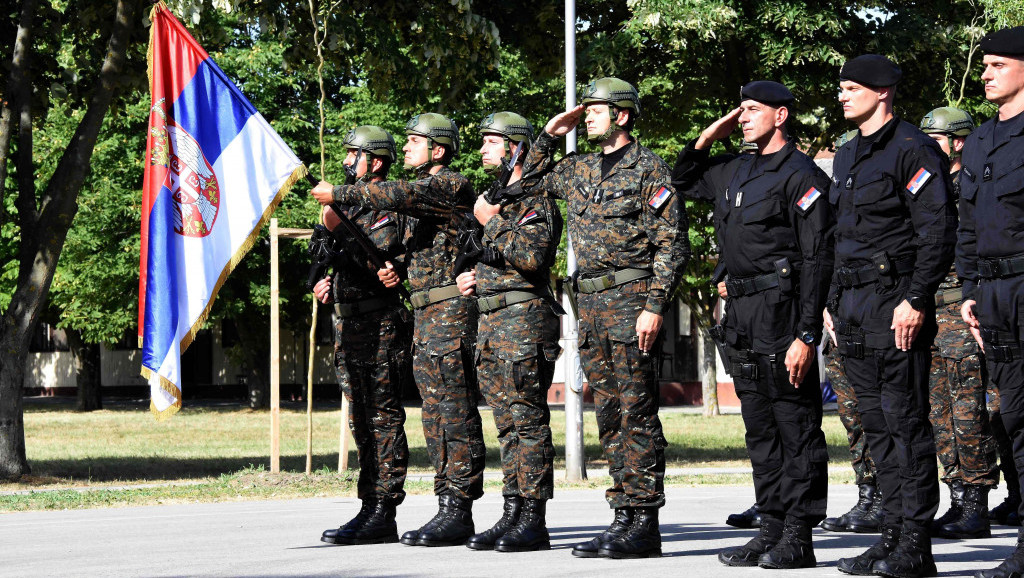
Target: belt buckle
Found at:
987, 268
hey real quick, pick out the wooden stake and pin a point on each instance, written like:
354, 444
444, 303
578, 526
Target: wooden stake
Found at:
343, 440
275, 356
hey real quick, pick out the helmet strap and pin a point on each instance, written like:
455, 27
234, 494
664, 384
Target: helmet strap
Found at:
353, 169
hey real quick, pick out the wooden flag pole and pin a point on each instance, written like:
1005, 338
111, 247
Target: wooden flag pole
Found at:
309, 389
275, 356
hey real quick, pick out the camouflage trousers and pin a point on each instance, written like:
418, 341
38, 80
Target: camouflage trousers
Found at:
444, 343
849, 415
625, 388
963, 437
1004, 446
516, 351
372, 361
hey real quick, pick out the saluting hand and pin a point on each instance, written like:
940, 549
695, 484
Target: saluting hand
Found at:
562, 123
907, 322
973, 325
718, 130
323, 192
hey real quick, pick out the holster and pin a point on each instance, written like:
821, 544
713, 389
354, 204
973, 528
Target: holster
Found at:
744, 364
717, 333
851, 340
1000, 346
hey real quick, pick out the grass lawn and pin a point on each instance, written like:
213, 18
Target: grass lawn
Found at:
212, 452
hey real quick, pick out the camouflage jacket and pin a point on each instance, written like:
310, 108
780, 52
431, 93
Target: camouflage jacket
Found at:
525, 233
355, 277
438, 203
630, 218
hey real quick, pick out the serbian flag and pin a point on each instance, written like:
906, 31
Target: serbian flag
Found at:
215, 171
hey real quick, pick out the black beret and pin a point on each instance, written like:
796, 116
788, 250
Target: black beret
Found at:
1008, 41
767, 92
871, 70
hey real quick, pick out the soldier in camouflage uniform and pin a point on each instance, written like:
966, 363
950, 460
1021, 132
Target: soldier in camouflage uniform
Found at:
372, 342
629, 231
866, 515
963, 437
517, 341
445, 321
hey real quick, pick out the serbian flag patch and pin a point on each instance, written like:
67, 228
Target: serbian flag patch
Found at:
380, 222
531, 216
920, 179
808, 199
660, 197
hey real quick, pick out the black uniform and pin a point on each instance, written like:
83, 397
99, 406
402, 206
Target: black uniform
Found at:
990, 258
775, 233
894, 240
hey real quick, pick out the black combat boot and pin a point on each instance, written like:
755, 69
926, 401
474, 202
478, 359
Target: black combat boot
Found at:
750, 518
343, 534
454, 528
1006, 512
794, 550
485, 540
530, 532
623, 520
748, 554
912, 557
956, 508
872, 521
641, 540
379, 528
859, 510
411, 537
1012, 567
862, 565
973, 521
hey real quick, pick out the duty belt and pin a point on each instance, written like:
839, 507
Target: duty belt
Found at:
501, 300
620, 277
421, 299
858, 276
1000, 346
345, 310
750, 285
1000, 267
949, 296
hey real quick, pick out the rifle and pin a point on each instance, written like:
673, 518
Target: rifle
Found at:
360, 236
470, 237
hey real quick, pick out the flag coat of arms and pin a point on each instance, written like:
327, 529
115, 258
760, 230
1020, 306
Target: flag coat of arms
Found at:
215, 171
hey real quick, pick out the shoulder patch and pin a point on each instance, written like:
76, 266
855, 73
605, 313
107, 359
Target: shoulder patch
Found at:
380, 222
919, 180
529, 217
660, 197
807, 200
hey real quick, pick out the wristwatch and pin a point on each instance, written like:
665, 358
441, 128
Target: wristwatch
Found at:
917, 302
807, 337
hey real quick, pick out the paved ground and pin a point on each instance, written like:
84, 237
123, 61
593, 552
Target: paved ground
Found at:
282, 539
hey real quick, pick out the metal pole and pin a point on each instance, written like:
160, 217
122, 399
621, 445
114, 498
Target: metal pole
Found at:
275, 356
575, 459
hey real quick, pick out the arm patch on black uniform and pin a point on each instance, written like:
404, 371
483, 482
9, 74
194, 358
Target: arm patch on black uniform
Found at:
804, 203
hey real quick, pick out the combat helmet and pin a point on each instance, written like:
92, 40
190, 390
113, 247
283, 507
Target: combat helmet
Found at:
437, 128
372, 139
949, 121
511, 126
618, 94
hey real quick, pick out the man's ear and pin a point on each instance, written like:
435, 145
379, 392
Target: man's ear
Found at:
376, 165
437, 153
623, 117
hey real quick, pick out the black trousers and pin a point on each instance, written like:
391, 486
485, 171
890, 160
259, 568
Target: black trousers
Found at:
784, 439
892, 391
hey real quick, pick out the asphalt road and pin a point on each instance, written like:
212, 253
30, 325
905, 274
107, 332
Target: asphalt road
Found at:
281, 538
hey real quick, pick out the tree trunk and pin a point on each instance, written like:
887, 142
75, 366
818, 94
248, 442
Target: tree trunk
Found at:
252, 337
87, 371
41, 243
709, 384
